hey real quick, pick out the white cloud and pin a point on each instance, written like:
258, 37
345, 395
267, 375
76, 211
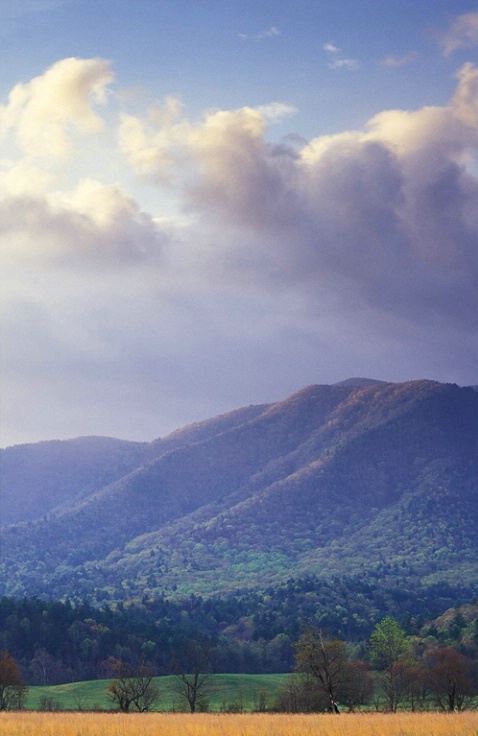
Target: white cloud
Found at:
267, 33
331, 48
95, 226
338, 62
42, 113
462, 33
276, 111
344, 64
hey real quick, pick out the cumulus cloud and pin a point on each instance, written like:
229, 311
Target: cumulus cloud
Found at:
390, 210
161, 146
91, 223
42, 113
462, 34
465, 100
96, 225
354, 248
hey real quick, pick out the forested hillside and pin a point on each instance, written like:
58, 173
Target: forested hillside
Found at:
360, 478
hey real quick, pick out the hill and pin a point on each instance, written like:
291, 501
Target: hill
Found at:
335, 480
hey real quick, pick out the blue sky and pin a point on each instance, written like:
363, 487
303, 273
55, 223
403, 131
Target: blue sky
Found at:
209, 204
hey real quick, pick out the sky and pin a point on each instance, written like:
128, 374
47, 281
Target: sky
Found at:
209, 204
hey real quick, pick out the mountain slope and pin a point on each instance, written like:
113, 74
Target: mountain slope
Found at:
38, 478
54, 475
333, 480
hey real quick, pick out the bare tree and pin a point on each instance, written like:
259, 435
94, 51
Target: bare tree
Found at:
132, 688
193, 675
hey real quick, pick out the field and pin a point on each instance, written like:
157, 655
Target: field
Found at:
174, 724
225, 692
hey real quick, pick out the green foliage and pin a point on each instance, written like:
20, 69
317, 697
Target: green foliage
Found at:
388, 643
391, 653
250, 632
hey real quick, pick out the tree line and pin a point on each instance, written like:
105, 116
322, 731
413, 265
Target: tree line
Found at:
251, 633
401, 671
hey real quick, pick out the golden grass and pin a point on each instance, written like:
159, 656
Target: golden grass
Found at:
179, 724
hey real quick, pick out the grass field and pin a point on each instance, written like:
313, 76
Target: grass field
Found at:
174, 724
241, 691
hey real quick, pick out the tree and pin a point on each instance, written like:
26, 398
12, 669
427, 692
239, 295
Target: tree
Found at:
391, 653
300, 695
457, 625
193, 675
418, 688
132, 687
450, 677
357, 685
12, 688
323, 660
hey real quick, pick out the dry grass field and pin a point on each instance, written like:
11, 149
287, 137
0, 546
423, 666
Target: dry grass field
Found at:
169, 724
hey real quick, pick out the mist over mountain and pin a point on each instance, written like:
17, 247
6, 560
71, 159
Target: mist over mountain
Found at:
359, 477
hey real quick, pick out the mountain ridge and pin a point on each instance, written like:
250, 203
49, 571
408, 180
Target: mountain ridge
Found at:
331, 479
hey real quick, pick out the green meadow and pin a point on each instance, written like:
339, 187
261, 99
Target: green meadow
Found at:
240, 693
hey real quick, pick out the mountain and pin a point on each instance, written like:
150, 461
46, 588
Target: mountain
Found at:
359, 477
46, 476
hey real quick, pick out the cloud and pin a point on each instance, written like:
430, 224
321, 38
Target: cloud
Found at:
43, 113
338, 62
275, 111
465, 100
97, 226
390, 211
396, 61
282, 259
462, 34
267, 33
331, 48
344, 64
